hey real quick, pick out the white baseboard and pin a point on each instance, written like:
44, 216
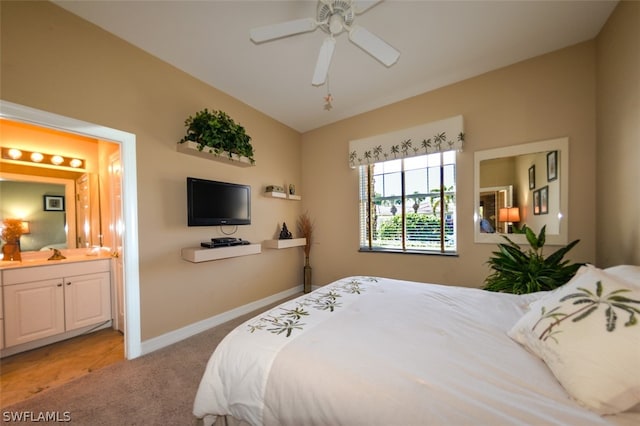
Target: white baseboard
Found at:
176, 336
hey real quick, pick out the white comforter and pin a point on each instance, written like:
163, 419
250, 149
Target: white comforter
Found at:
367, 351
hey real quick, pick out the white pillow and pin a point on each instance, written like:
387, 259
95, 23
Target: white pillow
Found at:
588, 334
630, 273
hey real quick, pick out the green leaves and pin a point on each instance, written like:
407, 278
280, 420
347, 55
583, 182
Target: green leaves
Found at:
532, 239
588, 302
217, 131
518, 271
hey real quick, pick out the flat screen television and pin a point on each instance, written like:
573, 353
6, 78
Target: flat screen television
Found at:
211, 203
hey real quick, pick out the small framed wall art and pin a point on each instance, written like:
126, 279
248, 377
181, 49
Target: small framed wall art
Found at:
552, 166
536, 202
532, 177
544, 197
54, 203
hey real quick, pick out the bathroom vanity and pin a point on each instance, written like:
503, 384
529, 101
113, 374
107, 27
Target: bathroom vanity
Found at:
45, 301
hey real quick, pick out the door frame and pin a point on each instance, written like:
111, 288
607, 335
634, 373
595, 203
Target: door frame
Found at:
127, 142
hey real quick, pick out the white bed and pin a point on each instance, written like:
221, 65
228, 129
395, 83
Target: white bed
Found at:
369, 351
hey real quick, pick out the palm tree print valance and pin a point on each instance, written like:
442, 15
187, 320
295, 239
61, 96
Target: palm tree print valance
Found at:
437, 136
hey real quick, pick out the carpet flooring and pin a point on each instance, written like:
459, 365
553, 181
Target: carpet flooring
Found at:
155, 389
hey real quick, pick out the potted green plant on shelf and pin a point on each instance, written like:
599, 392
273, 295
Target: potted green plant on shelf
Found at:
218, 133
518, 271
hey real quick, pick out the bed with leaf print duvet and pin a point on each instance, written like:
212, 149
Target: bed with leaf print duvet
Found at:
380, 351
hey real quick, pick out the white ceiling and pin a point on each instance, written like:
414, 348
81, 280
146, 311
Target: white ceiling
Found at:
441, 42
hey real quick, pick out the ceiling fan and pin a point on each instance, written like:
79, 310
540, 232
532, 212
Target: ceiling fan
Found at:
333, 17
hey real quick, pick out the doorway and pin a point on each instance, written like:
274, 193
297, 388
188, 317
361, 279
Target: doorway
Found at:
129, 260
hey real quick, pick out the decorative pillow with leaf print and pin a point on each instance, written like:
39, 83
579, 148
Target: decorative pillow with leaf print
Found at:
588, 334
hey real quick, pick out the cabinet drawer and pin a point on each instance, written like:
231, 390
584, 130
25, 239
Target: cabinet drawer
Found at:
44, 272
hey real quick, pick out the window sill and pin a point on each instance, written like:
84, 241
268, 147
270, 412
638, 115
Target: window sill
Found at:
399, 251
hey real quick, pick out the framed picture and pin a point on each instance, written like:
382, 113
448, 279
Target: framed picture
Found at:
54, 203
532, 177
552, 166
544, 197
536, 202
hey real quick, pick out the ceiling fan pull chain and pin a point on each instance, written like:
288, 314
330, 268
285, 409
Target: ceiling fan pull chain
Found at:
328, 99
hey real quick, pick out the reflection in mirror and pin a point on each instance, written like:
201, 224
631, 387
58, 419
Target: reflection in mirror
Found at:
49, 227
522, 185
46, 228
493, 201
77, 223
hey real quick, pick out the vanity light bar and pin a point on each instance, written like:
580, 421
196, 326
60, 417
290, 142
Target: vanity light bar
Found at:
22, 155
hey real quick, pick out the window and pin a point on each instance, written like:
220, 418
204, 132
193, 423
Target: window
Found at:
409, 205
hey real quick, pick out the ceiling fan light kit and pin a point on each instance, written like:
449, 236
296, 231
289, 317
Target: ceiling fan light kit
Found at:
333, 17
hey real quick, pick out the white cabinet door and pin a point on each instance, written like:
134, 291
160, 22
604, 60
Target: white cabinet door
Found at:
33, 310
87, 300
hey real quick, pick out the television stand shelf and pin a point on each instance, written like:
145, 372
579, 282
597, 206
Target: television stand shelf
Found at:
202, 254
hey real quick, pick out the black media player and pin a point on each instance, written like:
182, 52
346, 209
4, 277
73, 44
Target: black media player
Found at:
225, 243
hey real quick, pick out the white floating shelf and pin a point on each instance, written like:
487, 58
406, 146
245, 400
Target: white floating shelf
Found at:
275, 194
283, 244
203, 254
282, 195
191, 148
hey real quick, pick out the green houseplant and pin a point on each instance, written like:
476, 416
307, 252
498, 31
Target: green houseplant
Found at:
518, 271
217, 132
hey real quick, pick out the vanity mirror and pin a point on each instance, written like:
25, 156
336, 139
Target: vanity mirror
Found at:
522, 185
67, 225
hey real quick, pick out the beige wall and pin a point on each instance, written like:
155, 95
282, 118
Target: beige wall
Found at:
618, 112
54, 61
546, 97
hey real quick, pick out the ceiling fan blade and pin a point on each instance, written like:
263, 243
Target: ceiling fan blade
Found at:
361, 6
374, 45
324, 60
284, 29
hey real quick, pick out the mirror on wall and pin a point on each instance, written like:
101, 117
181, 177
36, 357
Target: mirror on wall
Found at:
522, 185
58, 211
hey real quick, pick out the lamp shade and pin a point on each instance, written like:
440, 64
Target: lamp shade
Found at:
26, 229
509, 214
